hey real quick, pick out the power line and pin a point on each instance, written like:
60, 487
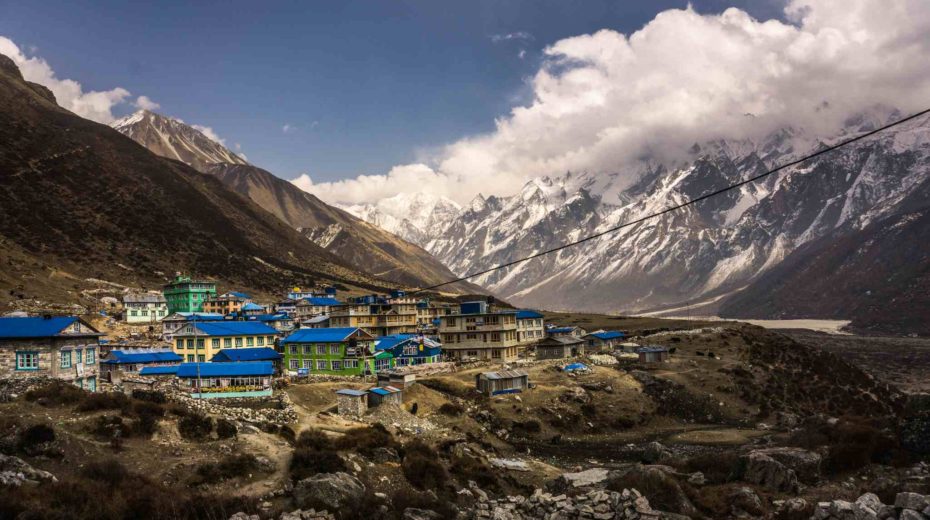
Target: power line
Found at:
686, 203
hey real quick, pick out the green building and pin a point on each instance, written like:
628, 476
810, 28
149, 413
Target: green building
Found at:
347, 351
186, 295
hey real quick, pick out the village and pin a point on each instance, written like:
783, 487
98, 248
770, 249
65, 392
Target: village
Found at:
216, 346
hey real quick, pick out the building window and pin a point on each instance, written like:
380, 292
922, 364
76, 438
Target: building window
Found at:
496, 354
308, 349
238, 342
180, 344
270, 340
351, 363
78, 357
320, 364
190, 344
27, 361
215, 342
90, 356
293, 364
201, 358
321, 349
293, 349
133, 313
65, 359
190, 358
261, 341
145, 312
250, 341
199, 343
337, 365
334, 349
308, 364
227, 342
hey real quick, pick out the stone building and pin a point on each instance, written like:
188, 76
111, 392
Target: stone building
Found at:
61, 347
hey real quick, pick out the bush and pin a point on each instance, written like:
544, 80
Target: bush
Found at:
717, 468
195, 426
103, 401
231, 466
35, 435
663, 491
421, 467
108, 471
314, 439
308, 461
365, 440
451, 409
56, 393
106, 427
226, 429
153, 396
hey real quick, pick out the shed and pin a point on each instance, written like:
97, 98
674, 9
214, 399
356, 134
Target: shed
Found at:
559, 347
503, 382
652, 354
387, 395
352, 403
604, 340
396, 379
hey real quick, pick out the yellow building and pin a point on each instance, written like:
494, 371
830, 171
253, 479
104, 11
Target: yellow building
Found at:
200, 341
226, 304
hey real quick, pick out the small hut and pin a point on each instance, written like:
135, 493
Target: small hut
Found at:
559, 347
387, 395
352, 403
503, 382
652, 354
396, 378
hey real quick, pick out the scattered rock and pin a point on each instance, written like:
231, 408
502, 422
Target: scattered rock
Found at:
331, 490
745, 502
654, 452
14, 471
804, 463
585, 478
412, 513
759, 468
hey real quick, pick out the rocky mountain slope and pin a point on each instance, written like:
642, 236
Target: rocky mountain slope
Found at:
79, 201
877, 276
358, 243
700, 254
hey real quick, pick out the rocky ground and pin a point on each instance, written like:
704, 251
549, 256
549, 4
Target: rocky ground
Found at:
741, 423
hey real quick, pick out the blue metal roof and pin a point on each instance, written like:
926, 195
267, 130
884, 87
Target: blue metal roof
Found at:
201, 316
384, 390
652, 349
159, 371
252, 307
328, 335
559, 330
525, 314
238, 355
270, 317
610, 334
35, 326
353, 393
318, 300
246, 369
235, 328
118, 357
389, 342
239, 294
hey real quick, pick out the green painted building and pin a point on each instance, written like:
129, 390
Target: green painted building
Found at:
186, 295
347, 351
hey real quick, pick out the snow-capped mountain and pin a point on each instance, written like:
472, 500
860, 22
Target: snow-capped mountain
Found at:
172, 138
701, 253
412, 216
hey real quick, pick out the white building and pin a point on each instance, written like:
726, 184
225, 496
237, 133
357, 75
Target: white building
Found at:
144, 308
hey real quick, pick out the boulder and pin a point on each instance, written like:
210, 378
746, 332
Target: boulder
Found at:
412, 513
589, 477
914, 501
804, 463
14, 471
654, 452
745, 502
328, 490
759, 468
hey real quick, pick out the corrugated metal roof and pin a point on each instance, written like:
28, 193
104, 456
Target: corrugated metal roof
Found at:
384, 390
239, 355
159, 371
559, 330
119, 357
270, 317
317, 300
317, 319
652, 349
353, 393
569, 340
35, 326
235, 328
505, 374
252, 307
328, 335
254, 368
238, 294
609, 334
144, 298
526, 314
197, 316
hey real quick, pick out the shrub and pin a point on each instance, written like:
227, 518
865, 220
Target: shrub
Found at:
530, 426
314, 439
661, 490
451, 409
467, 468
308, 461
36, 434
153, 396
421, 467
365, 440
231, 466
226, 429
56, 393
107, 427
195, 426
108, 471
103, 401
718, 468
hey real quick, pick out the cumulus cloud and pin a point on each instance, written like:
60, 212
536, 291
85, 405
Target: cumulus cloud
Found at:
145, 103
287, 128
211, 135
95, 105
602, 101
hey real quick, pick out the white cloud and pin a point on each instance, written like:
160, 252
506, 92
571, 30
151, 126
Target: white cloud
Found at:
207, 131
288, 128
96, 105
601, 101
521, 54
519, 36
145, 103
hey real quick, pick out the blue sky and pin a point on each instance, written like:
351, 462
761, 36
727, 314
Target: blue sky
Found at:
363, 86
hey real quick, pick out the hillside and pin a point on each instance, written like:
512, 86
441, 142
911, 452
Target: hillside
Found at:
878, 277
78, 200
360, 244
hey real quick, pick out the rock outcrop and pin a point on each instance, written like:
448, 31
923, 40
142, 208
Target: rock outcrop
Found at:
330, 490
14, 471
907, 506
